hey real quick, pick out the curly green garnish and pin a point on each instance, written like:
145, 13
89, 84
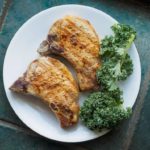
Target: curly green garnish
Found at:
105, 109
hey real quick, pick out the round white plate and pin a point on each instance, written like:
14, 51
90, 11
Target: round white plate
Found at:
22, 51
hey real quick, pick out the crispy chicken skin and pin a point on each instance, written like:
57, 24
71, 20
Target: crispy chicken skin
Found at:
50, 80
76, 40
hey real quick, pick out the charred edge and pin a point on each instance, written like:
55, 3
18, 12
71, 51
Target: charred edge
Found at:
56, 49
52, 37
53, 46
20, 86
44, 43
73, 40
44, 48
53, 106
64, 114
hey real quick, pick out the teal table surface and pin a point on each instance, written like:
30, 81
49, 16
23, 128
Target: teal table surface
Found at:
132, 134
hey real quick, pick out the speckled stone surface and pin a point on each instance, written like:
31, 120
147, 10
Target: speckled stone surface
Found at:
132, 134
14, 140
1, 5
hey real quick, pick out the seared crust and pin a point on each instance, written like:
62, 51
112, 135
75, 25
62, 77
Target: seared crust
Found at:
50, 80
76, 40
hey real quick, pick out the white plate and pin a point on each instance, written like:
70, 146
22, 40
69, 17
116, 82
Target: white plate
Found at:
22, 50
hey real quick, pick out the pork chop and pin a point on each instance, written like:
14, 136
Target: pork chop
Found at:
50, 80
75, 39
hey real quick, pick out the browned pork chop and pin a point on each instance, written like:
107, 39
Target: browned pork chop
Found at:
50, 80
76, 40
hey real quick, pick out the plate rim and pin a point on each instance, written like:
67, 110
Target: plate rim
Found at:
21, 27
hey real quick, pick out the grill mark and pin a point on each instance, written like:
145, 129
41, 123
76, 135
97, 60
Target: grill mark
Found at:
69, 33
74, 51
73, 40
55, 48
85, 33
76, 29
58, 72
64, 86
52, 37
53, 106
76, 56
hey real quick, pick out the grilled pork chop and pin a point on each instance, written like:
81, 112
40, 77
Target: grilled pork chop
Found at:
50, 80
76, 40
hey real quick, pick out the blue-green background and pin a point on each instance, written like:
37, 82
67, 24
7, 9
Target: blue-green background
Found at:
133, 134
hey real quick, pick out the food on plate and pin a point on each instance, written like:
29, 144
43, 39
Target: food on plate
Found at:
105, 109
75, 39
101, 110
117, 64
50, 80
